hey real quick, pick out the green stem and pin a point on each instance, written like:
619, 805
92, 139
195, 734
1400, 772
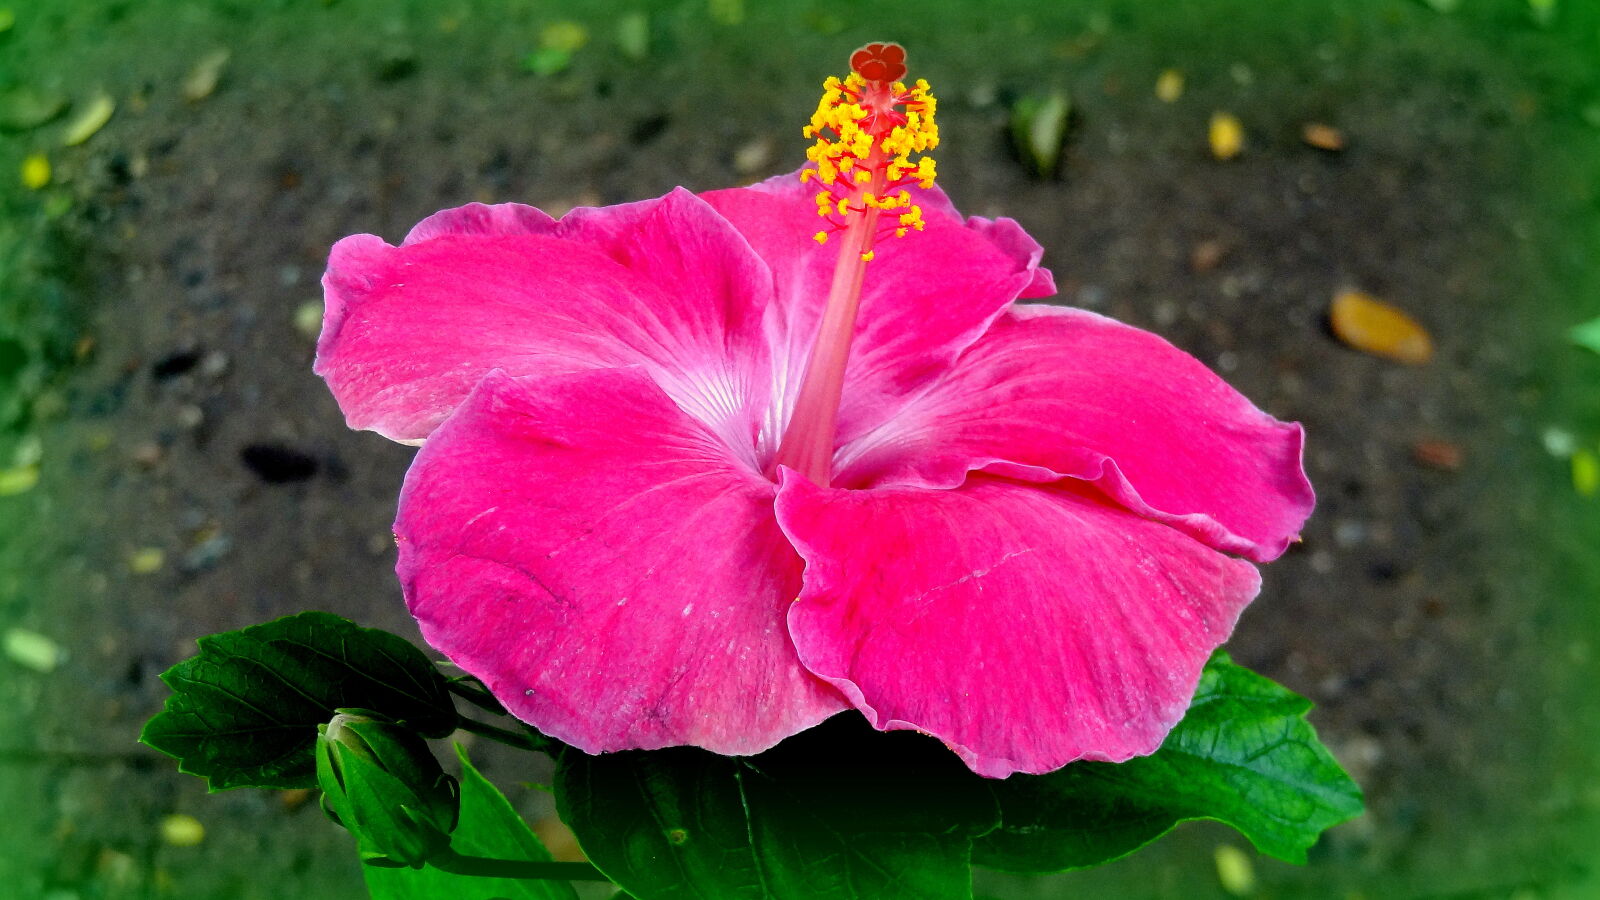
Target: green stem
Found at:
477, 696
520, 740
484, 867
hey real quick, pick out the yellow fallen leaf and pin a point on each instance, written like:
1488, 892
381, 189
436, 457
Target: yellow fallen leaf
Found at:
1585, 473
147, 561
94, 117
1372, 326
1227, 136
203, 78
179, 830
32, 650
1169, 86
1235, 871
35, 172
18, 480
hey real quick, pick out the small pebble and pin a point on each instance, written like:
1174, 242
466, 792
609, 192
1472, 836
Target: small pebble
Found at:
1348, 533
207, 553
753, 157
148, 455
1166, 313
214, 364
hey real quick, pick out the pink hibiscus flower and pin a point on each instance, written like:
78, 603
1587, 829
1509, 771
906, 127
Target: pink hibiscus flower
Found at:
691, 477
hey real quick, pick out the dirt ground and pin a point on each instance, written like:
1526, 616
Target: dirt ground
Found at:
1433, 611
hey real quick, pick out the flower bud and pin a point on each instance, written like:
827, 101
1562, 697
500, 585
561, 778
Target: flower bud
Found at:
380, 781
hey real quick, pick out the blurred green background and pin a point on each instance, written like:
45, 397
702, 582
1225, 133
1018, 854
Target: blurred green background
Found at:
170, 467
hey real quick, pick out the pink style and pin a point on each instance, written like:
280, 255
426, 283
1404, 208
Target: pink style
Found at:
1027, 529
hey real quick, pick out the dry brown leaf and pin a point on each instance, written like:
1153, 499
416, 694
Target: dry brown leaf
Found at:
1372, 326
1206, 255
1322, 137
1437, 455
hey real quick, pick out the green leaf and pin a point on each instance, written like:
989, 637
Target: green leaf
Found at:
1587, 335
23, 107
1039, 129
245, 711
488, 827
1244, 755
839, 811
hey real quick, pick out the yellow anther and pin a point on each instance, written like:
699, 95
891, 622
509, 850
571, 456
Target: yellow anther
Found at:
866, 134
867, 256
821, 237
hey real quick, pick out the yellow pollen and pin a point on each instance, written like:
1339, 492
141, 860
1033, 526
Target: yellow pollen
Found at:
867, 256
867, 140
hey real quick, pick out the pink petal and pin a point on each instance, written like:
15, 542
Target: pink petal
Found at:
483, 219
1025, 625
1072, 393
926, 296
669, 285
603, 564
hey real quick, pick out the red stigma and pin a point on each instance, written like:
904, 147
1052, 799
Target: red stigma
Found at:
880, 62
